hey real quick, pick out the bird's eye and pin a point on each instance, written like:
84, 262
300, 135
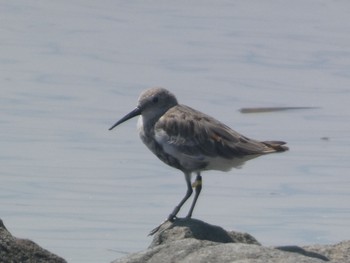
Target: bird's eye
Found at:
155, 99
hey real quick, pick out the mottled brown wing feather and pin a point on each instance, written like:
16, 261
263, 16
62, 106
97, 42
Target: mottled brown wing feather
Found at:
195, 133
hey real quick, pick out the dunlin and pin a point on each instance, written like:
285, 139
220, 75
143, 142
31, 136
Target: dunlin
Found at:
191, 141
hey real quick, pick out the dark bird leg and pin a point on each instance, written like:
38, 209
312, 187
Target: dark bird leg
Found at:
198, 187
177, 208
172, 216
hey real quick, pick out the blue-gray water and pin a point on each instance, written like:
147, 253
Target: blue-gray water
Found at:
70, 69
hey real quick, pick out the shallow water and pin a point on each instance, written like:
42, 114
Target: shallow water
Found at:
70, 69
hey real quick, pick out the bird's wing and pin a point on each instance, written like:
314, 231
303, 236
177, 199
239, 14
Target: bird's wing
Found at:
197, 135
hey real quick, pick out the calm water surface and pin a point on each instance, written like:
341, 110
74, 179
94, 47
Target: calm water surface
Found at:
70, 69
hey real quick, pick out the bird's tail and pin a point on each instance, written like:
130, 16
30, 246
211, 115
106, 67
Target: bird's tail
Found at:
278, 146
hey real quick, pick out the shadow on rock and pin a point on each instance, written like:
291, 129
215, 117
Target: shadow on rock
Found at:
193, 228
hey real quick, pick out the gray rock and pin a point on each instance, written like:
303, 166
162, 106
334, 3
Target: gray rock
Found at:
15, 250
338, 253
192, 228
190, 240
197, 251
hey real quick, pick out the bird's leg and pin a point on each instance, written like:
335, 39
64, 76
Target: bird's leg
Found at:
172, 216
177, 208
198, 187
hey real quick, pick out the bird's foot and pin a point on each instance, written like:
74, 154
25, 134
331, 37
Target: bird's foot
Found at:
170, 219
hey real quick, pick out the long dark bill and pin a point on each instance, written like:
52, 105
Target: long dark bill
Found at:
128, 116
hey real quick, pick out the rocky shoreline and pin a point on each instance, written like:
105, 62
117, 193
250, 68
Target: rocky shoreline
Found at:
190, 240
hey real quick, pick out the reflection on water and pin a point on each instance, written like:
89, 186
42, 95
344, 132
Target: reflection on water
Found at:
69, 70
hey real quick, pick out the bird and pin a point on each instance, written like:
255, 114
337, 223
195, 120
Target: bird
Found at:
191, 141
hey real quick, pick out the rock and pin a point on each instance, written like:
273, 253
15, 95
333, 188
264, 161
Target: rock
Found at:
190, 240
338, 253
193, 241
196, 251
192, 228
13, 249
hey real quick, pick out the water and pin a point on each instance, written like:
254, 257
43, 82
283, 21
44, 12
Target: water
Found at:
70, 69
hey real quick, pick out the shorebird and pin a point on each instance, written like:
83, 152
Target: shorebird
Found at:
191, 141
